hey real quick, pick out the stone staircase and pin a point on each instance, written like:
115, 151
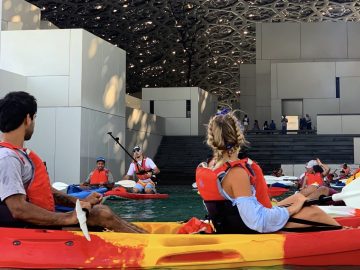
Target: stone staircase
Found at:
178, 156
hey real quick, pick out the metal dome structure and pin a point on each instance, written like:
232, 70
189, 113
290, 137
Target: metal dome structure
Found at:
188, 42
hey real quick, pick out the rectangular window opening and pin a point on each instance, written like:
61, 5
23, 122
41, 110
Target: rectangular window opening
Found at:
337, 87
188, 108
151, 106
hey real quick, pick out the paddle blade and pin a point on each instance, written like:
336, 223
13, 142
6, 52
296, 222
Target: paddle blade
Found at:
350, 194
81, 215
126, 183
60, 186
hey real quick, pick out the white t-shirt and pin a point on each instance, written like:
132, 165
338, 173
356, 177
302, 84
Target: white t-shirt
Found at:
15, 174
148, 163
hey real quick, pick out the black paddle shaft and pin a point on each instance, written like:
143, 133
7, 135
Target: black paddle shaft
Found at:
117, 141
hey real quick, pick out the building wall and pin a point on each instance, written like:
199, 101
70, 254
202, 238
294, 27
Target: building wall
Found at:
19, 15
170, 103
286, 53
145, 130
248, 90
11, 81
79, 82
133, 102
207, 106
318, 91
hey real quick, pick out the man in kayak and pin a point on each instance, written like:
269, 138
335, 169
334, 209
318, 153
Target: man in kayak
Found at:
100, 176
229, 189
27, 198
145, 170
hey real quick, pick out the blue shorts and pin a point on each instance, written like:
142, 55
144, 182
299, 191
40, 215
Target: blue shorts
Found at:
141, 188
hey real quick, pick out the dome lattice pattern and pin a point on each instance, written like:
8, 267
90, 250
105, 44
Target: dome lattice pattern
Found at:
188, 42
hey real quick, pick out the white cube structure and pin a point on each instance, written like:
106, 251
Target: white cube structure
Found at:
79, 82
186, 109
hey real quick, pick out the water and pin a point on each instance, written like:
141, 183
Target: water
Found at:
182, 204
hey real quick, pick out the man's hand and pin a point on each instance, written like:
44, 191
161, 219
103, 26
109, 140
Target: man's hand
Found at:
94, 198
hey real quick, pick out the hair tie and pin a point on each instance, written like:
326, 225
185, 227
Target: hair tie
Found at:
223, 112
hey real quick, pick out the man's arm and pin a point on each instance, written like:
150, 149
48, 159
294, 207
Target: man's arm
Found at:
87, 181
23, 210
110, 183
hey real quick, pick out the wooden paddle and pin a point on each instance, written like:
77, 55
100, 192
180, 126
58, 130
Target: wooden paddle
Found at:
350, 194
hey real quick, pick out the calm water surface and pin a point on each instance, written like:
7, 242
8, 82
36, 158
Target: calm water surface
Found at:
182, 204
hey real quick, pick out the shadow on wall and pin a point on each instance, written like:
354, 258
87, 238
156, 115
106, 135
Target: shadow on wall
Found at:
207, 108
145, 130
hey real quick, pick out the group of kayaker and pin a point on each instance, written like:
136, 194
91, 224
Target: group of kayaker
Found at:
144, 168
233, 188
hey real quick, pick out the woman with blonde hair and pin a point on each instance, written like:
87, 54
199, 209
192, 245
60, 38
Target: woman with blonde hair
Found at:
228, 189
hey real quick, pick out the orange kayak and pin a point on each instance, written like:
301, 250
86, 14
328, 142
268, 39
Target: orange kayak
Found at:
163, 248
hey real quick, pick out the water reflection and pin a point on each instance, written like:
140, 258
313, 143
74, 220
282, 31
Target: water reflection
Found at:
182, 204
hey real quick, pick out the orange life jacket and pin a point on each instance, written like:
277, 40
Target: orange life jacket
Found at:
222, 213
142, 167
99, 177
211, 191
38, 191
314, 179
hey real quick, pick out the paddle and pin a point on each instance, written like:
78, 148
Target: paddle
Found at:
60, 186
141, 171
126, 183
350, 194
81, 216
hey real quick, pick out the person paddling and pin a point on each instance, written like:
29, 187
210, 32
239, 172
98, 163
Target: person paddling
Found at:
27, 198
228, 189
100, 176
145, 169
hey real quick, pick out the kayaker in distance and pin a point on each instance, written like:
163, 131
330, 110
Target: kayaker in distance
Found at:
100, 176
312, 181
145, 169
228, 189
27, 198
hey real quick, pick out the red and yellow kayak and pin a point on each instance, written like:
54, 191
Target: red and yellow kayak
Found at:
31, 248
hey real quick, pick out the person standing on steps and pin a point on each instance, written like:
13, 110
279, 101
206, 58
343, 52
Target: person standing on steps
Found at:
284, 122
27, 198
145, 170
246, 123
308, 122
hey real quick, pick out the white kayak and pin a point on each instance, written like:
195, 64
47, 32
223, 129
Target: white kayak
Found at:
339, 211
288, 181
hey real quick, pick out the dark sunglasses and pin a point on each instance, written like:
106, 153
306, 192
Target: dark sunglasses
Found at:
136, 150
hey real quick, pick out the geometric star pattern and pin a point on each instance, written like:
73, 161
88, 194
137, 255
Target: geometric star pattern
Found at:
188, 42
